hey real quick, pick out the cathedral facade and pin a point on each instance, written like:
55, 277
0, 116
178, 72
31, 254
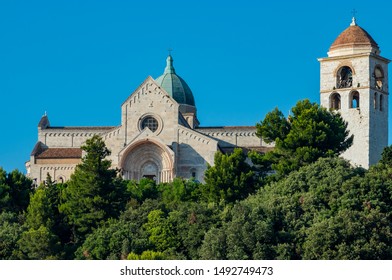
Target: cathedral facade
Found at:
160, 136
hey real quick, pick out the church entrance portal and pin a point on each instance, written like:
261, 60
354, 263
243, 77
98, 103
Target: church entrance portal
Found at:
147, 159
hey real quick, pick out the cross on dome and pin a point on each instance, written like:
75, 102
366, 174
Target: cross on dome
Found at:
353, 21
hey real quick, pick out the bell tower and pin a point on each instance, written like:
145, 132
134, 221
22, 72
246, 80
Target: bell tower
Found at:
354, 81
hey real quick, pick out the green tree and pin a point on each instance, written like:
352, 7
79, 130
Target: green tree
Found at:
41, 208
15, 190
350, 234
115, 239
110, 241
309, 133
274, 126
230, 179
179, 191
11, 228
214, 245
45, 223
329, 210
190, 221
39, 244
246, 233
294, 203
148, 255
5, 198
386, 156
142, 190
161, 233
94, 192
325, 210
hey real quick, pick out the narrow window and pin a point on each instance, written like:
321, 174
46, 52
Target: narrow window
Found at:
335, 101
381, 102
344, 77
378, 77
375, 100
354, 99
193, 173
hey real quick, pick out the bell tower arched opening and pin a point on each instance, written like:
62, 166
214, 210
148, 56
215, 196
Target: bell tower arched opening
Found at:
344, 77
335, 100
378, 77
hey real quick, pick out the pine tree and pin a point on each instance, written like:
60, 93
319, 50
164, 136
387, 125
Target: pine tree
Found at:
230, 179
309, 133
94, 192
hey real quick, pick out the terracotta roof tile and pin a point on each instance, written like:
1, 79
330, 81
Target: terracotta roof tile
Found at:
61, 153
353, 35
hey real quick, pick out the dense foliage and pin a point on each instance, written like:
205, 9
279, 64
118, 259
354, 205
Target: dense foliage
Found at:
15, 190
275, 208
94, 193
309, 133
230, 179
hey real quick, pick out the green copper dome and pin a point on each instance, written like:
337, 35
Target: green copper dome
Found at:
174, 85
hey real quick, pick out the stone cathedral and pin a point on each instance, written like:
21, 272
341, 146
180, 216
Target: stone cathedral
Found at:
160, 136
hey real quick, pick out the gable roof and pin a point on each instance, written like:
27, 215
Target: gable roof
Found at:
147, 81
60, 153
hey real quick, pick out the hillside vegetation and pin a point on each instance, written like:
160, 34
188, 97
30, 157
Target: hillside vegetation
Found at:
299, 201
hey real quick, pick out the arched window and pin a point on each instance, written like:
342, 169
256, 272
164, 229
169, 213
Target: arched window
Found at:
375, 101
354, 99
381, 101
335, 101
60, 179
344, 77
378, 77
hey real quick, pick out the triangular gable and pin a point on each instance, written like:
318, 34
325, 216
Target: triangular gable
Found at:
38, 148
145, 133
142, 136
148, 86
193, 134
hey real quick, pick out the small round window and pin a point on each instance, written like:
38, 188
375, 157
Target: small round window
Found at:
150, 122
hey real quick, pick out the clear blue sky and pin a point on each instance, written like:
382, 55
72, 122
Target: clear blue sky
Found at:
79, 60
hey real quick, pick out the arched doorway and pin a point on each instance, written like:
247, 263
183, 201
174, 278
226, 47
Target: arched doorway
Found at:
150, 170
148, 159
